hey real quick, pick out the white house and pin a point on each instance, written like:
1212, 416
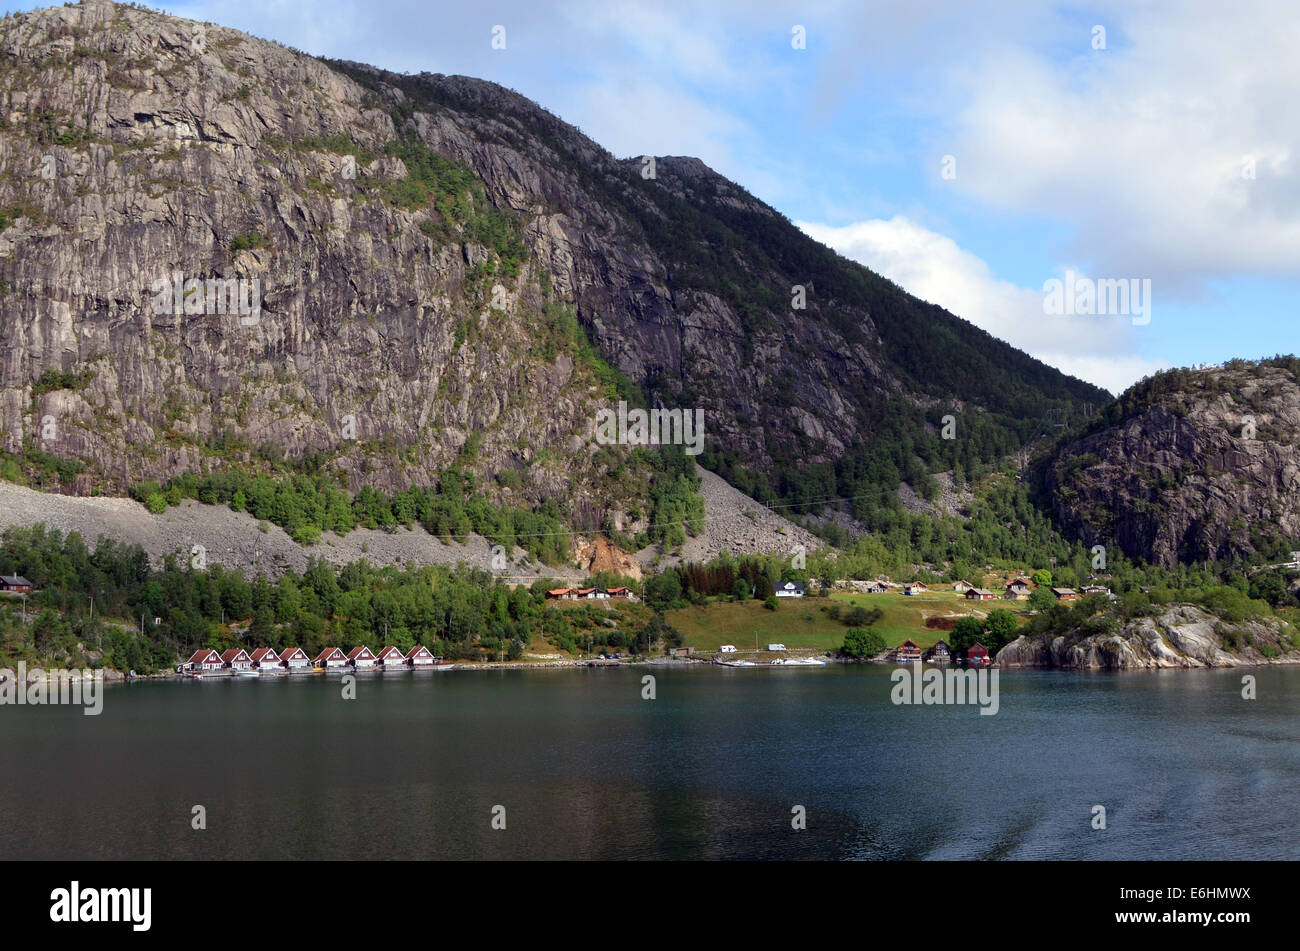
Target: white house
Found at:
205, 659
361, 658
266, 659
790, 589
728, 648
331, 658
419, 656
391, 657
295, 658
237, 659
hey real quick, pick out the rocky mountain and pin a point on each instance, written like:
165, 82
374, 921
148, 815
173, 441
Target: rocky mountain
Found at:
219, 252
1180, 636
1189, 465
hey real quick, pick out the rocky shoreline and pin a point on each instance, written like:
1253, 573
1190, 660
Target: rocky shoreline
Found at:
1183, 636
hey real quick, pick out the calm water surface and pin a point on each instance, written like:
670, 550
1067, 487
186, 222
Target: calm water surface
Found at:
709, 770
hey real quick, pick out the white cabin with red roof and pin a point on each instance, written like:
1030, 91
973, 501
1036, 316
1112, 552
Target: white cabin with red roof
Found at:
419, 656
295, 658
266, 659
236, 659
330, 658
205, 659
361, 658
390, 657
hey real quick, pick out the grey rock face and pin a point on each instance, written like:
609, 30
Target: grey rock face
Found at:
1182, 636
1200, 472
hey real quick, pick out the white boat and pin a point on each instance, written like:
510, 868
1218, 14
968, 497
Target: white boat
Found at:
804, 662
737, 663
248, 673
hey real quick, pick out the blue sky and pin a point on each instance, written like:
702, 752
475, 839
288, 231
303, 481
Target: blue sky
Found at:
1169, 151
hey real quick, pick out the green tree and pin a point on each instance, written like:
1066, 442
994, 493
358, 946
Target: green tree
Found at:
860, 642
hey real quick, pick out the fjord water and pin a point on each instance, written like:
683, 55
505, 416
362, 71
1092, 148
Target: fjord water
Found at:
710, 769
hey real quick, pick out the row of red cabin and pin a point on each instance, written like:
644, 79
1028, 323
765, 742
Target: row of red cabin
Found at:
295, 658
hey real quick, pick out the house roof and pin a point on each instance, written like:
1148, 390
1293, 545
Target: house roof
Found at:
292, 652
358, 653
619, 590
1062, 591
328, 654
14, 579
938, 644
263, 653
906, 643
792, 585
559, 591
233, 655
418, 650
977, 646
201, 655
390, 649
981, 591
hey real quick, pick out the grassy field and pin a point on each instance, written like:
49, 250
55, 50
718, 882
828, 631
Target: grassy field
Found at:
804, 622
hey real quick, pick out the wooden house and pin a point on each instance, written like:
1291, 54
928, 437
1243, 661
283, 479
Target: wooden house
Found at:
390, 657
940, 653
236, 659
419, 656
361, 658
204, 659
1065, 594
977, 655
907, 652
265, 658
15, 584
980, 594
1018, 590
331, 658
294, 658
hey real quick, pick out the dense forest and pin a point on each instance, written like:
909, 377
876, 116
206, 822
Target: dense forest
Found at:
108, 605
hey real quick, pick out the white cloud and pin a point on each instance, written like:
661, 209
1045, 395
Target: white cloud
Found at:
934, 268
1140, 147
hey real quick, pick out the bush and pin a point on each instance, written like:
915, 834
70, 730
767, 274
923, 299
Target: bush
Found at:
860, 642
770, 602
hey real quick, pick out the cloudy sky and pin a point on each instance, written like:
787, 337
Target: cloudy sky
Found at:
969, 151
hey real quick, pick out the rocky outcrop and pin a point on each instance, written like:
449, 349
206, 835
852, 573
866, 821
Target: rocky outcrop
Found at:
1192, 465
1182, 636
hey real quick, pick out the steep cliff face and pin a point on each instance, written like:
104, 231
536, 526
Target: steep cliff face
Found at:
1182, 636
423, 261
1193, 464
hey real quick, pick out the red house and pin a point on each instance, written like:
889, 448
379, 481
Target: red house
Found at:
295, 658
977, 655
361, 658
907, 652
236, 659
330, 658
205, 659
265, 658
419, 656
391, 657
979, 594
15, 583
